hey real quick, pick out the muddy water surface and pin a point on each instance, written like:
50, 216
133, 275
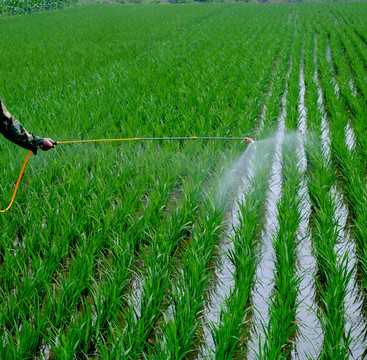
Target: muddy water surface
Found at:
309, 333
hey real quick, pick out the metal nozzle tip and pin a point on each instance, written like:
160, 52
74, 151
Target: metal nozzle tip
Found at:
249, 140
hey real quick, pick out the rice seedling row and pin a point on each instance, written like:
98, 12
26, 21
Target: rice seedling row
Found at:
300, 328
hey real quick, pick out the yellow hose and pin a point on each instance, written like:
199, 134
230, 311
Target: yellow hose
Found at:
17, 184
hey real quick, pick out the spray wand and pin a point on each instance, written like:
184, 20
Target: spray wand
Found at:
120, 140
158, 138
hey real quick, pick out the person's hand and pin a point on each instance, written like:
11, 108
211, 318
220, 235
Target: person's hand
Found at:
48, 144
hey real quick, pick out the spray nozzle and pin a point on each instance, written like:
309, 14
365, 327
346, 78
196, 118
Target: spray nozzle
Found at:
249, 140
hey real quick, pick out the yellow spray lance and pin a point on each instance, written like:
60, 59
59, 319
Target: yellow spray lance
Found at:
120, 140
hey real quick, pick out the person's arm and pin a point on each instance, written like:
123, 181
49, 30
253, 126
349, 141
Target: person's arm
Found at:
13, 130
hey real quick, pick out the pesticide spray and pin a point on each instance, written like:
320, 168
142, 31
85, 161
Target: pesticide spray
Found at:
233, 187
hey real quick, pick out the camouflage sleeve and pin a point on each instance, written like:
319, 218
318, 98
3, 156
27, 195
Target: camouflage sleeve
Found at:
13, 130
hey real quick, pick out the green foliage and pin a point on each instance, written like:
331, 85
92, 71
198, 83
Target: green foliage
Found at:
14, 7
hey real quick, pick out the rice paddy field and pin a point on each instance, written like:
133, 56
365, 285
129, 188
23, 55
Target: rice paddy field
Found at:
186, 249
